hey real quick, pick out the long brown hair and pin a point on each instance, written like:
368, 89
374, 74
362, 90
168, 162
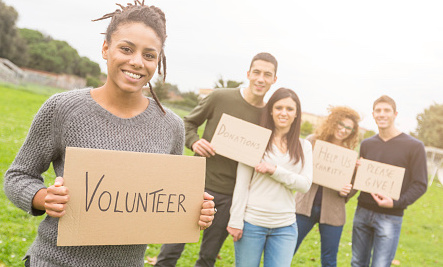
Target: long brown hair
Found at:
292, 137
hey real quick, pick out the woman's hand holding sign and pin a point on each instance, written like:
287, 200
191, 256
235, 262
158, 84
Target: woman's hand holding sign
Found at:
265, 167
345, 190
56, 198
207, 212
53, 199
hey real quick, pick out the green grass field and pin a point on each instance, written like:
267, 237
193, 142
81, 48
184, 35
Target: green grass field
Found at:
421, 242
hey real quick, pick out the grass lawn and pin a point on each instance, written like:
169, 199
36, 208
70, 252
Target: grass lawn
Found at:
421, 241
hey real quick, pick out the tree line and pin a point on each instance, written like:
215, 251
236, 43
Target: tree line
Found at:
32, 49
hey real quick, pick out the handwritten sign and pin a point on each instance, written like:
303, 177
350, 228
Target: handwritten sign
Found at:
333, 165
240, 140
131, 198
381, 178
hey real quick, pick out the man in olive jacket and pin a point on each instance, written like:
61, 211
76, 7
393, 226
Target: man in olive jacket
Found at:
243, 103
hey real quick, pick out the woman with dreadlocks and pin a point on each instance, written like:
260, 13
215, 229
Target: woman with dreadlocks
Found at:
116, 116
323, 205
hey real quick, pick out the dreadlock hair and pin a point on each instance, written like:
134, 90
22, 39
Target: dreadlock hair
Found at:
152, 17
292, 137
337, 114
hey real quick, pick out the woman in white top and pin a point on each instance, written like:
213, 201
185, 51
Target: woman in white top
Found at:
263, 205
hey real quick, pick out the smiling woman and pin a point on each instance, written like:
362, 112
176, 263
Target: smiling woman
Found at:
116, 116
263, 205
134, 49
323, 205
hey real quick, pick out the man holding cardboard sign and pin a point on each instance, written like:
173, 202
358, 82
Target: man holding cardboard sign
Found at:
378, 218
246, 104
240, 140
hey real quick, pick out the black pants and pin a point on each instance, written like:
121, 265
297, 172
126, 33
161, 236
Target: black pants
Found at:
213, 237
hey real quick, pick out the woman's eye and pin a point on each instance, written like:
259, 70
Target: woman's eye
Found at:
149, 56
126, 49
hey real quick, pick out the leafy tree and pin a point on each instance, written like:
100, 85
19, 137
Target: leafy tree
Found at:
161, 89
306, 128
190, 99
43, 56
93, 82
33, 36
220, 83
430, 126
84, 67
56, 56
368, 134
12, 46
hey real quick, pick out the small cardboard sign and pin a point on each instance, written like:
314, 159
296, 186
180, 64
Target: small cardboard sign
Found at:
333, 165
119, 198
240, 140
381, 178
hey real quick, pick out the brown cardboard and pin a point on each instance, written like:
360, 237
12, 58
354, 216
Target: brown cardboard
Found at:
380, 178
102, 209
240, 140
333, 165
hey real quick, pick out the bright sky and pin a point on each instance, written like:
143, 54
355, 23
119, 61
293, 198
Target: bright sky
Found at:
329, 52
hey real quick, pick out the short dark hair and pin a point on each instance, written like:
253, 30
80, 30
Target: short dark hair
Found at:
265, 57
385, 99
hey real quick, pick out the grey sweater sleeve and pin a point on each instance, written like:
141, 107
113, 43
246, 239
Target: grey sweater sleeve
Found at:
180, 137
24, 177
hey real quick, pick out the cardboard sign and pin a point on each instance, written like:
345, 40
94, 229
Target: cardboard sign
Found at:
240, 140
381, 178
333, 165
121, 198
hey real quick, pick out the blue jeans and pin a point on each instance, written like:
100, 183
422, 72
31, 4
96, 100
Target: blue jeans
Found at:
377, 233
329, 234
278, 245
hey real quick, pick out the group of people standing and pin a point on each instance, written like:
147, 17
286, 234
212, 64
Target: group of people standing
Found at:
267, 209
271, 208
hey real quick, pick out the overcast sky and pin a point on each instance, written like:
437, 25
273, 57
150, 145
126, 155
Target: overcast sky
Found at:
329, 52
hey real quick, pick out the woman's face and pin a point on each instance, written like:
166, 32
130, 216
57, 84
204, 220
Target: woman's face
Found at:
344, 129
284, 112
132, 56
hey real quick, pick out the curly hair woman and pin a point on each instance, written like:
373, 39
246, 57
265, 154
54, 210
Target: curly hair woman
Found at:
323, 205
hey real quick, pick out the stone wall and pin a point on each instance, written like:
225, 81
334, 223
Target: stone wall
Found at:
13, 74
64, 81
10, 72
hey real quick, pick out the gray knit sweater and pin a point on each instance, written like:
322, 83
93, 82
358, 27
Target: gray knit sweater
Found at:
75, 119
